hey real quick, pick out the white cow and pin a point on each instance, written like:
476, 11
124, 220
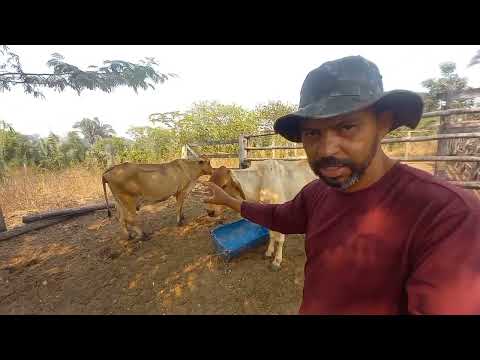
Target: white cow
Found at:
268, 181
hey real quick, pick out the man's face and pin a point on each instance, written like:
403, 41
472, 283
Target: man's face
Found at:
340, 149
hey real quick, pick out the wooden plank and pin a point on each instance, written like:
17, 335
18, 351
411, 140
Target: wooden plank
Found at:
30, 227
467, 184
217, 142
220, 156
288, 159
70, 211
451, 112
438, 158
262, 134
425, 115
273, 147
412, 159
430, 137
389, 140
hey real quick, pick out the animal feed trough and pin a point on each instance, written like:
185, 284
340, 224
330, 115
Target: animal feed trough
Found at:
233, 239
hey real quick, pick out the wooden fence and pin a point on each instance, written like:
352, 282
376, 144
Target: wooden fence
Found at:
244, 147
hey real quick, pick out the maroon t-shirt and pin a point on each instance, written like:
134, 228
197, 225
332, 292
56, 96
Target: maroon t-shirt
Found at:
410, 243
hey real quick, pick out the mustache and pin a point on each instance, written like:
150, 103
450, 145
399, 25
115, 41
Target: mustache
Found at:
331, 161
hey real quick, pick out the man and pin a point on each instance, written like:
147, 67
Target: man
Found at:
381, 237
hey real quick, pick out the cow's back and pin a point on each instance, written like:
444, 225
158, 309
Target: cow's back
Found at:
155, 181
282, 180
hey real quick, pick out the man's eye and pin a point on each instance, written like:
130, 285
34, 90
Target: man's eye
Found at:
348, 127
311, 133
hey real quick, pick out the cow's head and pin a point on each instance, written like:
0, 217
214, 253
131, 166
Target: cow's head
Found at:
223, 178
205, 166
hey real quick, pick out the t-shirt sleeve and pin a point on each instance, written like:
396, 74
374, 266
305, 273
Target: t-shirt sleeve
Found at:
446, 269
287, 218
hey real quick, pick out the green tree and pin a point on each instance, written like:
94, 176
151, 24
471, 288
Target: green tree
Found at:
63, 75
52, 157
214, 121
93, 130
73, 148
168, 119
268, 113
152, 144
114, 149
6, 134
449, 82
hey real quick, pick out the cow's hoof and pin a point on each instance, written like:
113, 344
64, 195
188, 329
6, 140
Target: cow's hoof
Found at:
274, 267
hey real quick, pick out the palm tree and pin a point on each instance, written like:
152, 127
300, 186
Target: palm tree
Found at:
93, 130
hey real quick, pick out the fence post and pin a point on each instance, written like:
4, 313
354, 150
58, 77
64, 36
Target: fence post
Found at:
274, 151
407, 146
3, 226
242, 151
184, 152
191, 151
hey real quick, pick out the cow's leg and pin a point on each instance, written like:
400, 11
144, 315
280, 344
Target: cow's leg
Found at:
271, 246
180, 196
279, 240
120, 207
123, 222
130, 214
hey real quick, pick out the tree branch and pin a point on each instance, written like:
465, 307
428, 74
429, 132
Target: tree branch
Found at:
31, 74
14, 82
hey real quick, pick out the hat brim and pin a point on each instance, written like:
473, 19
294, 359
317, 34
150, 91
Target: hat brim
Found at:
406, 106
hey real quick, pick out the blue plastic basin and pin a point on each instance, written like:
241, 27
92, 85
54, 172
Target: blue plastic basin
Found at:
235, 238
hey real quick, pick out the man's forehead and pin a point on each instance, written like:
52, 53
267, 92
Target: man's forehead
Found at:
312, 123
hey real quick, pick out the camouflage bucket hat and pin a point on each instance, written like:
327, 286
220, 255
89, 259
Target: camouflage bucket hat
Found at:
347, 85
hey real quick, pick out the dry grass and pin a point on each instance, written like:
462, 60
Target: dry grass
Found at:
31, 191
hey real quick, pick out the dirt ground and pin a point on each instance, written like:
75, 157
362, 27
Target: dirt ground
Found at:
82, 266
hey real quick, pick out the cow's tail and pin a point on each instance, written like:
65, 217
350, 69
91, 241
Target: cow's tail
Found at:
104, 181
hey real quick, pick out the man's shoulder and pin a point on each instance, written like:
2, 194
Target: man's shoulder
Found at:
420, 186
314, 186
312, 191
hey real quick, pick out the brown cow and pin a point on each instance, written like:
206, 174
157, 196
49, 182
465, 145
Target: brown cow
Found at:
132, 184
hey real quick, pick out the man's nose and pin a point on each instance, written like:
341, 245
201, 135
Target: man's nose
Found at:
329, 144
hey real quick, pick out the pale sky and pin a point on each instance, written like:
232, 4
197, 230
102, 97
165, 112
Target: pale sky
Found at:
245, 75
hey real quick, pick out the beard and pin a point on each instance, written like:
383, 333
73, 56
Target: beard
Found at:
357, 170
